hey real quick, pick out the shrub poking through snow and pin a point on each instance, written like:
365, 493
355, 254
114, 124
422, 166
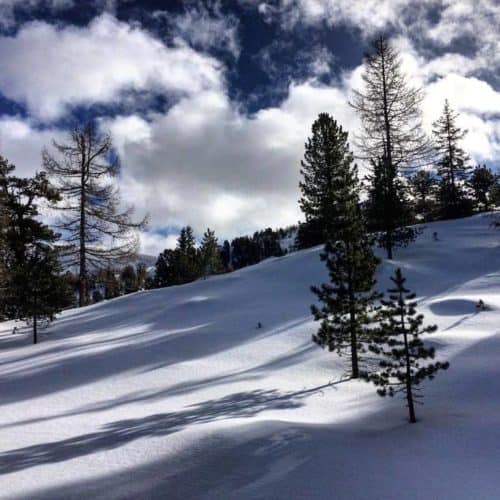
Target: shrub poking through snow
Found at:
404, 356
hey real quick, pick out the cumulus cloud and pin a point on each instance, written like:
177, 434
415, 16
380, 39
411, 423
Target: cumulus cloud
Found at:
49, 68
204, 161
210, 165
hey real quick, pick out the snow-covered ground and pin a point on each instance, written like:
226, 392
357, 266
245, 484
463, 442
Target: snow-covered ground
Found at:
176, 393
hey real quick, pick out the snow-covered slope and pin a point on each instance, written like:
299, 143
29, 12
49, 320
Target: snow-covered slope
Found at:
176, 393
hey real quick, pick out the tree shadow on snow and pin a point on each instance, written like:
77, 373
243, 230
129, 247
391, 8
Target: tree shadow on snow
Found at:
457, 437
119, 433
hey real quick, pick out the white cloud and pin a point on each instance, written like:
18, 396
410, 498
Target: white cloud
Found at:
22, 144
205, 28
153, 244
204, 161
209, 165
368, 15
49, 68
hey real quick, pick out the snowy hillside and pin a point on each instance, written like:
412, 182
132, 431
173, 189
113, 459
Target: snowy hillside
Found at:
176, 394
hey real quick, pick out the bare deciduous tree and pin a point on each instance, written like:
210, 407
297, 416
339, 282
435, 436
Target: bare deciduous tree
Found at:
5, 169
96, 230
389, 109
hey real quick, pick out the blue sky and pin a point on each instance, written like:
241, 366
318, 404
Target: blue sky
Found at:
210, 102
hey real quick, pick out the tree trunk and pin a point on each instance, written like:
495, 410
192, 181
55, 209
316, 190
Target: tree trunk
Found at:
354, 352
35, 329
389, 244
82, 278
409, 393
354, 338
388, 162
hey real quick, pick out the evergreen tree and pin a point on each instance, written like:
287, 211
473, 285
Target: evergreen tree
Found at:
107, 278
347, 300
142, 275
453, 168
36, 289
405, 358
165, 269
188, 257
423, 188
268, 242
225, 254
326, 147
390, 115
482, 182
211, 262
494, 194
388, 209
181, 265
33, 286
97, 296
128, 278
244, 252
97, 232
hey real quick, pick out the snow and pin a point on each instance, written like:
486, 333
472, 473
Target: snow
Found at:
175, 393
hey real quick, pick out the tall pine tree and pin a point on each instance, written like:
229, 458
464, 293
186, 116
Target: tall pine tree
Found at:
452, 166
324, 150
345, 313
181, 265
405, 358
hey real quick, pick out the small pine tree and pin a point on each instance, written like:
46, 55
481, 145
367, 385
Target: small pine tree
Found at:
187, 256
388, 209
128, 278
142, 275
165, 269
244, 252
108, 278
452, 166
225, 254
33, 288
181, 265
402, 351
482, 182
347, 299
210, 256
423, 188
37, 289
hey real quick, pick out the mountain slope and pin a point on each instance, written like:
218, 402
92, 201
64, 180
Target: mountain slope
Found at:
176, 393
